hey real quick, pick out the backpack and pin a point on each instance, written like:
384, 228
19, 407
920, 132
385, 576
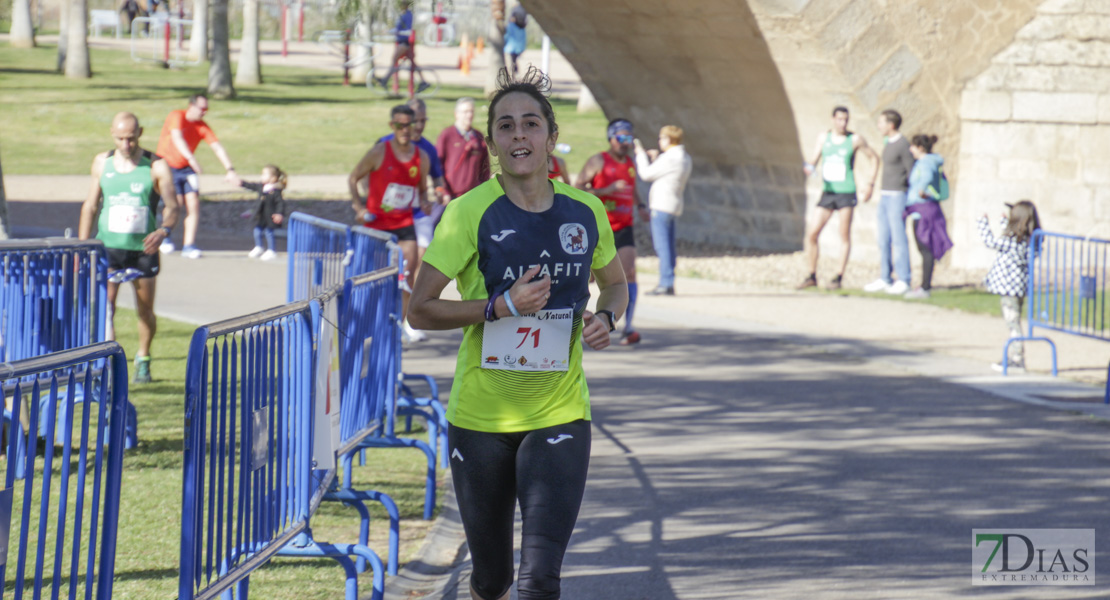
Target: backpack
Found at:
942, 193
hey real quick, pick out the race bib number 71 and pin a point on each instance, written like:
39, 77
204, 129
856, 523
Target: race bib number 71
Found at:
539, 342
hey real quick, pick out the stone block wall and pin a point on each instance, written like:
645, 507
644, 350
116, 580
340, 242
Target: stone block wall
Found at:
1036, 125
707, 69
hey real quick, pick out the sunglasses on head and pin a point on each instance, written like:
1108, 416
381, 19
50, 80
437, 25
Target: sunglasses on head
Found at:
623, 139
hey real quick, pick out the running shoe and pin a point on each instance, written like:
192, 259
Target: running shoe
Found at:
917, 294
876, 286
268, 255
423, 86
167, 246
836, 283
1013, 366
191, 252
662, 291
809, 282
124, 275
630, 338
256, 252
897, 288
142, 370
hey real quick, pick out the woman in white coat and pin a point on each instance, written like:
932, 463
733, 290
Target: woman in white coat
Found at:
668, 171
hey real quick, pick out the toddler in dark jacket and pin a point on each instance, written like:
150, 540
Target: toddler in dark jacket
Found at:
270, 212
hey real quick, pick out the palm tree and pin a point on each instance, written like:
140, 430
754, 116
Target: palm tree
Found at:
198, 43
495, 49
77, 53
250, 67
63, 38
22, 32
219, 71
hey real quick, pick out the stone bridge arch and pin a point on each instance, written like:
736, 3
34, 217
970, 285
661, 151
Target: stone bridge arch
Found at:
753, 83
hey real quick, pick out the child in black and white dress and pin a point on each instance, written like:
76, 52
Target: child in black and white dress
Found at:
1009, 275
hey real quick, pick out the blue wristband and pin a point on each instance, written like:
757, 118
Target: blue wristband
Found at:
509, 303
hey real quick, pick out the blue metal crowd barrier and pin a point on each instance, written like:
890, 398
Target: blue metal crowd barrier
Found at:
53, 297
71, 551
53, 293
323, 253
369, 315
1067, 290
318, 256
318, 259
250, 483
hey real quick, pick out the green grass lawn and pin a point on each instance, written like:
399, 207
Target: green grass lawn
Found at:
302, 120
150, 509
965, 298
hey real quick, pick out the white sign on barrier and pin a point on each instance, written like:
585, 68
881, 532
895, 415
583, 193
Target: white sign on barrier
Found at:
327, 434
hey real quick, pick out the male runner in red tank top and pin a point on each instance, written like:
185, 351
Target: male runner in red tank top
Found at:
394, 172
611, 175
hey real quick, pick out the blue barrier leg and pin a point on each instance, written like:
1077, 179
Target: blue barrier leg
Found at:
351, 496
430, 479
340, 553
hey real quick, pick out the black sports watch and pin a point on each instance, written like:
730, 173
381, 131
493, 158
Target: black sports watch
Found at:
612, 319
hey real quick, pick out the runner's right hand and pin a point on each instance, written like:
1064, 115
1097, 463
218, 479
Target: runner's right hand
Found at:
195, 165
530, 296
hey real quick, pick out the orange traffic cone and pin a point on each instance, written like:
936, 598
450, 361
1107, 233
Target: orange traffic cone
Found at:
462, 49
466, 59
481, 44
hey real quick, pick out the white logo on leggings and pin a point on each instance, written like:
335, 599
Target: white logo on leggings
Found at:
556, 440
457, 454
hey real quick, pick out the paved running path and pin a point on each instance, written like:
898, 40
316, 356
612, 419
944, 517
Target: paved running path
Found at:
734, 459
754, 446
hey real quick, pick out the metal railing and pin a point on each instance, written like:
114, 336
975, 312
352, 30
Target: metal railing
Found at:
65, 510
251, 479
1068, 281
53, 294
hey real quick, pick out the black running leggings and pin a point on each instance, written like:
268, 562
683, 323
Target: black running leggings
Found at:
927, 262
545, 470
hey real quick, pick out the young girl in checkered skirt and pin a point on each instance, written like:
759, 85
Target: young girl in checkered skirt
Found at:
1009, 275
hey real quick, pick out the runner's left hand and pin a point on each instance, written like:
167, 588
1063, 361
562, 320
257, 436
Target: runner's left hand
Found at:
595, 331
152, 241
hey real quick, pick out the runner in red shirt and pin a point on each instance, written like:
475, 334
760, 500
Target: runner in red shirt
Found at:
557, 169
611, 175
394, 171
181, 134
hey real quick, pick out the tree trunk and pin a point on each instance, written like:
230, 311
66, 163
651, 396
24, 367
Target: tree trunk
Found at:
359, 49
250, 67
495, 46
219, 71
63, 38
22, 32
5, 228
77, 54
198, 43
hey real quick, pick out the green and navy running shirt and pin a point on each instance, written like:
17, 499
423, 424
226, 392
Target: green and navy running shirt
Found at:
486, 242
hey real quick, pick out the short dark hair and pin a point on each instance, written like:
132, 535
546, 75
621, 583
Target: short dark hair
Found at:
839, 109
535, 84
893, 118
193, 99
402, 109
